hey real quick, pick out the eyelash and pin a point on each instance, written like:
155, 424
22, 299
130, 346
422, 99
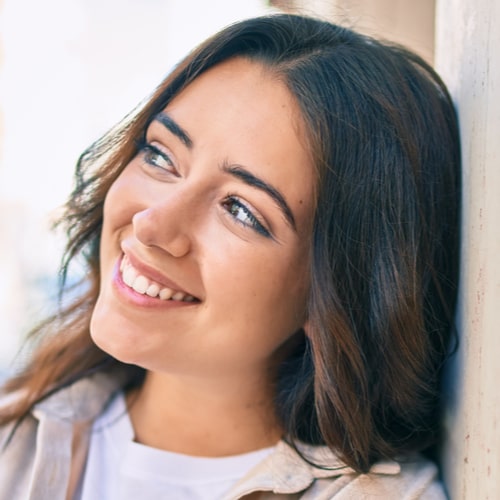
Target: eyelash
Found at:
252, 222
148, 150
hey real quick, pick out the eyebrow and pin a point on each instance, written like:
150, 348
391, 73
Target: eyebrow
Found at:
250, 179
173, 127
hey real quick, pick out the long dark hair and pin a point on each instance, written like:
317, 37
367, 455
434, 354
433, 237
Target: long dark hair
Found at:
383, 135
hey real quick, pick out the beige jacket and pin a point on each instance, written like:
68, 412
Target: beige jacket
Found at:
46, 456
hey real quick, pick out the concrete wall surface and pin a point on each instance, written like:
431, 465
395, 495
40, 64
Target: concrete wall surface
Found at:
467, 44
403, 21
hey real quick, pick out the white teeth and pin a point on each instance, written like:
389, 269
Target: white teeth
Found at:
142, 285
129, 275
166, 293
153, 290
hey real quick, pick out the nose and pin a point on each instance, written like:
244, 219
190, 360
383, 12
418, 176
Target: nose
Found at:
165, 225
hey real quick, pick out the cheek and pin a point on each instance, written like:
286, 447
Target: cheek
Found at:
121, 203
290, 284
269, 291
118, 207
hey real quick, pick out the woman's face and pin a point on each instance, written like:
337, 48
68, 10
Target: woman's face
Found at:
204, 249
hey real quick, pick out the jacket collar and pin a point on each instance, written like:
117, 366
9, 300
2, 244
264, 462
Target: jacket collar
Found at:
285, 471
83, 400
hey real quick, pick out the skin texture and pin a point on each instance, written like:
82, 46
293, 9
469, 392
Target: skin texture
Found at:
180, 213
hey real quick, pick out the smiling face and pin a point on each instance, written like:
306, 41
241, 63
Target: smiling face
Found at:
206, 233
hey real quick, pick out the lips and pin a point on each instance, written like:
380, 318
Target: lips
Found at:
146, 286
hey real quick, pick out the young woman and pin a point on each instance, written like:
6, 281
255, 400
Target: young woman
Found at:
271, 244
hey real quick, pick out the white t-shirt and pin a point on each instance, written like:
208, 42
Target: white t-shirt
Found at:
119, 468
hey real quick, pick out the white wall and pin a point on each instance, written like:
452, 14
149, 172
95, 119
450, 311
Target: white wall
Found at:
467, 55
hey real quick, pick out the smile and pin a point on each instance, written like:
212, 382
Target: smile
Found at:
140, 284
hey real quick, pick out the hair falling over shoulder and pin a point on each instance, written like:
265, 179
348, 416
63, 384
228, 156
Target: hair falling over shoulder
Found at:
383, 134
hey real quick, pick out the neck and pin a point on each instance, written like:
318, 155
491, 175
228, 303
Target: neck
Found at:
204, 417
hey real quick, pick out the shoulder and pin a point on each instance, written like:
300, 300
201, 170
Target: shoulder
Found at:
316, 473
35, 448
411, 478
17, 444
8, 401
81, 401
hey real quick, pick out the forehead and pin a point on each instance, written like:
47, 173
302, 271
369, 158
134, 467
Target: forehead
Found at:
240, 112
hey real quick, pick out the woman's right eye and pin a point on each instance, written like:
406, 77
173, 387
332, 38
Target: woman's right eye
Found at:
157, 158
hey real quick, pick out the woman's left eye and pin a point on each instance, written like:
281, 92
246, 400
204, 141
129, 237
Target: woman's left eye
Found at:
243, 215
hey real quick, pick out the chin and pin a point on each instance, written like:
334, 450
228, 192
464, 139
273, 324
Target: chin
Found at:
113, 337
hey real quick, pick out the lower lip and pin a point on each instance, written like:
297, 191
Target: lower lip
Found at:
130, 296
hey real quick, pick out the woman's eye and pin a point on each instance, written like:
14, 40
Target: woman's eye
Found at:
157, 158
244, 216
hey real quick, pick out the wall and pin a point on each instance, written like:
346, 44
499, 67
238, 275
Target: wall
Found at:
402, 21
467, 46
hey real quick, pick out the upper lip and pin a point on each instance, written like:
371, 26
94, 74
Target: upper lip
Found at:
153, 274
